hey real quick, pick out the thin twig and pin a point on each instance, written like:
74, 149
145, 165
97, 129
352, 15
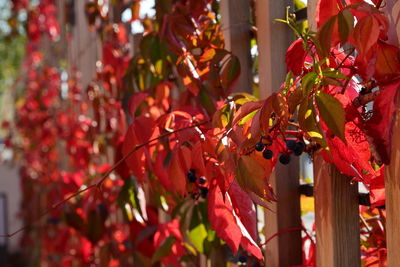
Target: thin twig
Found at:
103, 178
361, 100
345, 58
292, 229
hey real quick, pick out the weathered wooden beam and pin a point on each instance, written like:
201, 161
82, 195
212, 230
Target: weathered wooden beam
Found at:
85, 49
392, 187
235, 16
336, 207
392, 172
336, 217
273, 39
363, 198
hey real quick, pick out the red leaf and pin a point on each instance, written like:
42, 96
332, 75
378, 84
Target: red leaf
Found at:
352, 158
244, 208
379, 127
221, 218
136, 160
295, 56
135, 100
366, 34
122, 169
190, 75
140, 131
227, 223
176, 173
265, 113
377, 188
387, 61
246, 109
325, 10
160, 170
198, 160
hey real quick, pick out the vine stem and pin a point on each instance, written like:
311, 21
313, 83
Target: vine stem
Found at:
292, 229
287, 230
365, 99
102, 179
345, 58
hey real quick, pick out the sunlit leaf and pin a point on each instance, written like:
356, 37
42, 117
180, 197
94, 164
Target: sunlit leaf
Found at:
332, 112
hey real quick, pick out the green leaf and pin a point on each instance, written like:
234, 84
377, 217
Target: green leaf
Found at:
247, 117
325, 35
163, 250
309, 124
332, 112
295, 98
95, 228
308, 82
345, 25
230, 72
298, 4
332, 73
245, 110
288, 81
198, 232
242, 98
128, 195
251, 175
223, 117
206, 101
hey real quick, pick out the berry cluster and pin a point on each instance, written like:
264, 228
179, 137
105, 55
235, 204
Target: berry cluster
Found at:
261, 147
292, 146
200, 182
297, 147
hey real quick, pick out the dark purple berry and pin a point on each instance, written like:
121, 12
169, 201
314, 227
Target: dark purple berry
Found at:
284, 159
291, 144
202, 180
203, 192
242, 258
191, 175
259, 146
268, 154
298, 150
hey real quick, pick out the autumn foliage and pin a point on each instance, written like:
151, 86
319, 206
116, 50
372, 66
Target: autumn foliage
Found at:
175, 158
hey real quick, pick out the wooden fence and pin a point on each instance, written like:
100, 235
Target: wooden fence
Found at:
336, 199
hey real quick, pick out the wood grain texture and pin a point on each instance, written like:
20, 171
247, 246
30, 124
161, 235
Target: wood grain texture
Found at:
273, 40
336, 217
392, 186
235, 16
392, 172
336, 206
85, 49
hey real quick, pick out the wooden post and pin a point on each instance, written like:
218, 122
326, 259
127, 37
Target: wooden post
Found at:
84, 49
392, 172
392, 186
336, 207
336, 217
273, 40
235, 15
